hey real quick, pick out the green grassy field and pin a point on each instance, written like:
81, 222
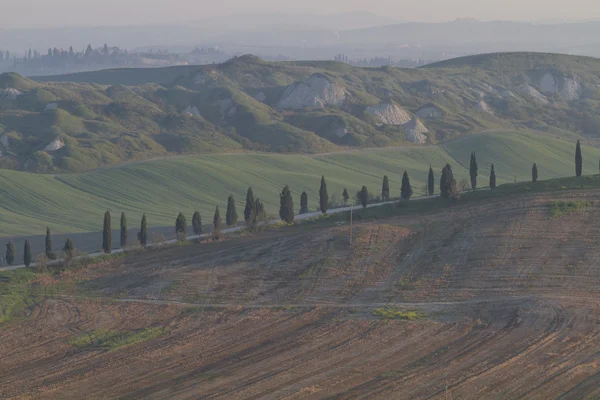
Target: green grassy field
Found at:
161, 189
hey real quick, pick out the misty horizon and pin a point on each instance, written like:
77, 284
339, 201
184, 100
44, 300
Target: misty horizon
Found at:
68, 13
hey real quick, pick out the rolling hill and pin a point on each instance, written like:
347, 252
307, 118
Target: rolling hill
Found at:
162, 188
484, 300
79, 122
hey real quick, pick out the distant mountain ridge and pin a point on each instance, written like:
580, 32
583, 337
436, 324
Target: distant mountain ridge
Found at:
466, 31
193, 32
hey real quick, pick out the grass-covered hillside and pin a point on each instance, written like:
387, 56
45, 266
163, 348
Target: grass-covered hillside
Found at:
82, 121
162, 188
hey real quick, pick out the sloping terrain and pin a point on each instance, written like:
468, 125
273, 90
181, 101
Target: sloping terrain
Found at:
163, 188
79, 122
495, 299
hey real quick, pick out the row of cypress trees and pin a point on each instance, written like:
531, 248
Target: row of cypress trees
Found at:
253, 212
68, 250
254, 209
286, 210
286, 202
473, 169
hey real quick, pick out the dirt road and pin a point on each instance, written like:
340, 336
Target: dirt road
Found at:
90, 243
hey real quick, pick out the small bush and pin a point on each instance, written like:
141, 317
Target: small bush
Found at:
114, 340
16, 293
393, 313
181, 237
561, 208
41, 263
158, 239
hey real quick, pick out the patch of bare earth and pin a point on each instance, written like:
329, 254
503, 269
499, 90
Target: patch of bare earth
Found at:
510, 297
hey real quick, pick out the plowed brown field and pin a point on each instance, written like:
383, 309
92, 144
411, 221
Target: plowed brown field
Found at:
510, 296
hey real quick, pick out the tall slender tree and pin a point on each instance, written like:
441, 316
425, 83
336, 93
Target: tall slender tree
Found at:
258, 214
430, 182
447, 183
578, 159
323, 196
473, 169
231, 216
27, 254
143, 233
259, 210
363, 196
286, 205
69, 248
249, 209
197, 223
216, 233
181, 227
345, 195
303, 203
107, 234
406, 190
492, 178
385, 189
534, 173
49, 252
10, 253
123, 230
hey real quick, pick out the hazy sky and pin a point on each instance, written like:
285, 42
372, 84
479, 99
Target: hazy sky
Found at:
32, 13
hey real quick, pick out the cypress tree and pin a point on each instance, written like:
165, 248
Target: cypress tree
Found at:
303, 203
534, 173
323, 196
578, 159
250, 204
286, 205
181, 227
231, 216
258, 214
345, 195
473, 168
492, 178
363, 196
143, 233
69, 248
123, 230
197, 223
406, 190
49, 253
10, 253
385, 189
27, 254
216, 224
259, 211
107, 234
447, 183
430, 182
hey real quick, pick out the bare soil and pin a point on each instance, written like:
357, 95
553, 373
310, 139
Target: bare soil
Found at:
510, 297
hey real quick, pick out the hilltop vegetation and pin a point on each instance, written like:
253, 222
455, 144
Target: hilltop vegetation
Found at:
83, 121
163, 188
